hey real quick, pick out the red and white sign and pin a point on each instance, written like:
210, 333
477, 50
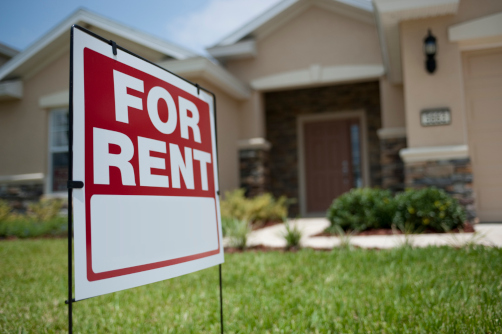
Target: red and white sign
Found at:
145, 148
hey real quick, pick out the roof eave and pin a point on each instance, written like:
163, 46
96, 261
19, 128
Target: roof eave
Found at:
203, 68
239, 50
8, 51
84, 17
361, 10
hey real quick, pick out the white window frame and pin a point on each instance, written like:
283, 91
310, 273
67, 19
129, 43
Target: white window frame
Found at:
51, 150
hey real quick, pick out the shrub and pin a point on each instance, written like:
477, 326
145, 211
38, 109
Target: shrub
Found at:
257, 210
362, 209
41, 219
5, 210
45, 209
429, 208
292, 235
23, 227
237, 231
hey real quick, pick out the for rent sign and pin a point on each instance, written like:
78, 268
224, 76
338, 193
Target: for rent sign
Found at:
144, 145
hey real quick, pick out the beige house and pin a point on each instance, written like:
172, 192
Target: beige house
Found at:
34, 88
314, 97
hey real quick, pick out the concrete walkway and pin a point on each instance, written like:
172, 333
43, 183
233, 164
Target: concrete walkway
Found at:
486, 234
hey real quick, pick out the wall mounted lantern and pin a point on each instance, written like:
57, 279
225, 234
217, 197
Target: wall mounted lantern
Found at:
430, 50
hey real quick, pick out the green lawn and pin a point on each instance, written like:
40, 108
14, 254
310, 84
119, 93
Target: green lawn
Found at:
432, 290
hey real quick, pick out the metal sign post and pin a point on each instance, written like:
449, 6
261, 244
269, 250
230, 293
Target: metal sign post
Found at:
114, 102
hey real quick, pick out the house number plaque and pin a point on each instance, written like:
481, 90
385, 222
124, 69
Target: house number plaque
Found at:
436, 116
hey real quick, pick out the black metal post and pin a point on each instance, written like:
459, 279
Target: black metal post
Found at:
70, 264
221, 302
216, 139
70, 190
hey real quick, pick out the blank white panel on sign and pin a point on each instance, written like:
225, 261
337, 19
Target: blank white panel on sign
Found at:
126, 231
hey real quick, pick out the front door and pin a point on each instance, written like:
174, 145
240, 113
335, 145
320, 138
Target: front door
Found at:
332, 161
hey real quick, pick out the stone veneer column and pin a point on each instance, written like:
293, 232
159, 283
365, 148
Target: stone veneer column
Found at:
254, 172
392, 140
448, 168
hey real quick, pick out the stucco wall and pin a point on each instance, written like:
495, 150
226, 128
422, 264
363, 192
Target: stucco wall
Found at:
316, 36
472, 9
228, 135
252, 117
445, 87
392, 100
441, 89
24, 126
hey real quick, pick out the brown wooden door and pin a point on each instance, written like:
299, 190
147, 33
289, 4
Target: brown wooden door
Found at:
328, 162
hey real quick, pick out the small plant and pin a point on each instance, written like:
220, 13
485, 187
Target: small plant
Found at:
345, 237
226, 225
257, 210
429, 208
407, 230
237, 231
459, 240
361, 209
292, 235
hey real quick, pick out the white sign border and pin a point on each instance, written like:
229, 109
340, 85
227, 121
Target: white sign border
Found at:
84, 288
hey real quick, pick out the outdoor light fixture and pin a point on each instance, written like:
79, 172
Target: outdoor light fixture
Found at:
430, 49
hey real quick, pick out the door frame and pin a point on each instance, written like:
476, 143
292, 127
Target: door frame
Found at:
338, 115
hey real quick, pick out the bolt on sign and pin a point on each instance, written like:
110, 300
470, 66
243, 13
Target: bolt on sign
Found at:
144, 144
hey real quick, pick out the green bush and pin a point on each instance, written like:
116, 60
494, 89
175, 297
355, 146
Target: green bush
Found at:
429, 208
228, 225
45, 209
362, 209
414, 210
41, 219
5, 210
257, 210
22, 227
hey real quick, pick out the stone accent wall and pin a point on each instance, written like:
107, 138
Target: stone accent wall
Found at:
454, 176
254, 172
392, 164
281, 111
19, 195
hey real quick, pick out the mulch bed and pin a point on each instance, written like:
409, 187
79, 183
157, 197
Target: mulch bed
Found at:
267, 224
266, 249
255, 249
468, 228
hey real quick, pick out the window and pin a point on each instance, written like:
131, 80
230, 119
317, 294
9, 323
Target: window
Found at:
58, 150
356, 155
